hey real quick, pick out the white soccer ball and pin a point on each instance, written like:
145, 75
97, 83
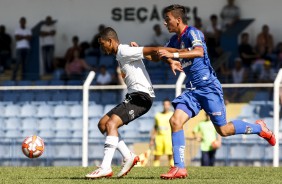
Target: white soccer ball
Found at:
33, 146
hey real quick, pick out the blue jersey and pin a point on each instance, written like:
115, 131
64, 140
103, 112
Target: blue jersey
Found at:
199, 71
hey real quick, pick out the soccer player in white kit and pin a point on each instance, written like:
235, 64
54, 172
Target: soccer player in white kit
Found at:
137, 101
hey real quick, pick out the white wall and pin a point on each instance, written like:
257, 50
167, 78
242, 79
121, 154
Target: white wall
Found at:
82, 17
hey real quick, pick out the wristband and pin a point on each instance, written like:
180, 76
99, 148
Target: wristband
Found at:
175, 55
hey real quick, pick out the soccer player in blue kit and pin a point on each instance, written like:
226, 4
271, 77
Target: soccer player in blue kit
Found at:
203, 89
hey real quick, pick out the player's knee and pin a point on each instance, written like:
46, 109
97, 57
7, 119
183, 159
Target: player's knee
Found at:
174, 123
110, 125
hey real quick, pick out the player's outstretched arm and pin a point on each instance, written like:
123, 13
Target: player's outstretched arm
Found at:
183, 53
152, 53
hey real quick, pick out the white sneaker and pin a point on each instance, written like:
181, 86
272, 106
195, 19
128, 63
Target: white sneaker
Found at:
128, 164
100, 173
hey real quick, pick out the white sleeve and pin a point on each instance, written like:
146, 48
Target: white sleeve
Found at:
132, 53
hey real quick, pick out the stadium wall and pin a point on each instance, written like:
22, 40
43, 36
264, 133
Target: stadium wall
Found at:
133, 19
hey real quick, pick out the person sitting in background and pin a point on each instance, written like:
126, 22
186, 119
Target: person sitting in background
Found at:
197, 20
104, 77
230, 14
84, 47
264, 43
198, 23
5, 49
278, 53
94, 49
75, 67
161, 134
159, 38
205, 133
267, 74
60, 62
239, 75
246, 51
75, 47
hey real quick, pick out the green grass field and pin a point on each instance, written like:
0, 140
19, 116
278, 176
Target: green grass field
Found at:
199, 175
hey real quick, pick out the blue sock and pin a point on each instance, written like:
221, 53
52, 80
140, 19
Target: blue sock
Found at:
178, 146
242, 127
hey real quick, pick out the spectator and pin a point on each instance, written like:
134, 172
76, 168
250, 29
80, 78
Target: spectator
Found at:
230, 14
246, 51
161, 134
47, 33
197, 20
5, 49
210, 141
104, 77
159, 38
75, 67
198, 23
267, 74
60, 62
264, 43
84, 48
213, 32
23, 37
70, 51
239, 75
94, 49
278, 53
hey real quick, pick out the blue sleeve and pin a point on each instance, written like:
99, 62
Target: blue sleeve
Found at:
196, 37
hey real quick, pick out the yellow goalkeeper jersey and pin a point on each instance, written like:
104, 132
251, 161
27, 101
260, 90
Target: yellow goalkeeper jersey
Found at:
162, 123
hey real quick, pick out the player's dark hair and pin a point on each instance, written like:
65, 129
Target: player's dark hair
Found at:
177, 11
109, 32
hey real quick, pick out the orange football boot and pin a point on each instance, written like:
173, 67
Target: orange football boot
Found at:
266, 133
174, 173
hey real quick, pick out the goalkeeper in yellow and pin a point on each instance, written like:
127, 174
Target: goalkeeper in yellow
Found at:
161, 134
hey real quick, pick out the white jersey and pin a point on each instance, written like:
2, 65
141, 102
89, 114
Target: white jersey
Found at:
22, 44
133, 69
50, 39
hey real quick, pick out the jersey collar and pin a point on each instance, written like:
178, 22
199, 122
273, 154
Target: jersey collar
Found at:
184, 30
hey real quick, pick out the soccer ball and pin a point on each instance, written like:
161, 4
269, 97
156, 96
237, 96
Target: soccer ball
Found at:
33, 146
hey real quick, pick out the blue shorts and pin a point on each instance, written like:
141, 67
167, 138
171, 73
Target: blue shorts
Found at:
209, 98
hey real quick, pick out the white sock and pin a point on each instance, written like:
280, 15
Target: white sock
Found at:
123, 149
109, 150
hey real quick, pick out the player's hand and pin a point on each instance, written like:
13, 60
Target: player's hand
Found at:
175, 66
165, 53
134, 44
